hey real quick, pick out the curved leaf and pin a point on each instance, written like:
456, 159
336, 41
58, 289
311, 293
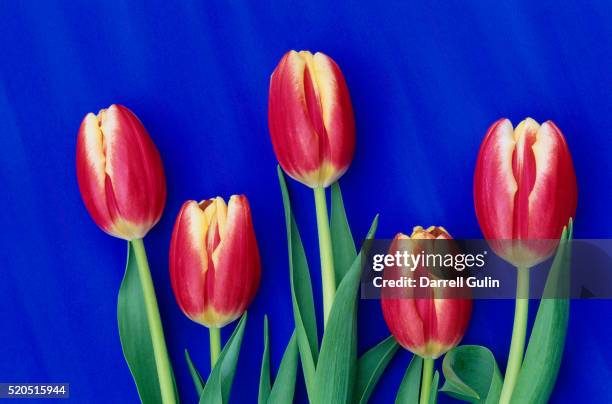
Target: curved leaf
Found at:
408, 392
135, 333
545, 349
301, 293
371, 366
195, 375
472, 374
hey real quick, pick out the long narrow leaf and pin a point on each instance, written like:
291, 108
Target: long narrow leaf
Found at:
264, 374
371, 366
408, 392
545, 349
336, 369
195, 375
343, 245
219, 384
301, 293
433, 394
284, 384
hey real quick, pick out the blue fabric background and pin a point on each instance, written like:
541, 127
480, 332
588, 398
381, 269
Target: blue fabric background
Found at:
426, 81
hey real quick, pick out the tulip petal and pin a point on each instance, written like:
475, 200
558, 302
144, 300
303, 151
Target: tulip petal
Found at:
295, 141
553, 199
338, 117
188, 259
313, 98
451, 321
494, 183
524, 170
91, 173
404, 322
134, 166
237, 273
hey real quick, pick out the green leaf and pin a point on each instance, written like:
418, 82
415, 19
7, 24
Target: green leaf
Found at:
135, 333
336, 369
545, 349
343, 246
472, 374
371, 366
218, 387
264, 375
195, 375
433, 394
284, 385
301, 293
408, 392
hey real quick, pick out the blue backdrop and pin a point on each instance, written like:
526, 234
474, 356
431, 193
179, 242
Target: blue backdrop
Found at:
426, 81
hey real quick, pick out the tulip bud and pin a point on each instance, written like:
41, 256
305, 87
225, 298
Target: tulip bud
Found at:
120, 173
214, 260
427, 326
311, 118
524, 189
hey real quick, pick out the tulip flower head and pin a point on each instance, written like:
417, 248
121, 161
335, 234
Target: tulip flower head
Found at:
524, 189
426, 326
311, 118
120, 173
214, 260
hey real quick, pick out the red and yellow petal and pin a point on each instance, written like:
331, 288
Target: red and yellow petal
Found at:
237, 270
91, 174
338, 118
494, 183
135, 177
294, 138
553, 199
188, 260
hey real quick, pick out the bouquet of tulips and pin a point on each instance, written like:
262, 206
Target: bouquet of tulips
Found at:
524, 192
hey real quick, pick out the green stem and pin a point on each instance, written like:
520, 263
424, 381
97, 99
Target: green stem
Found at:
215, 345
428, 365
328, 277
162, 361
519, 332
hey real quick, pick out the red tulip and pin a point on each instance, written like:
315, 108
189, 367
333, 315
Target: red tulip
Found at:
120, 173
428, 326
524, 189
311, 118
214, 260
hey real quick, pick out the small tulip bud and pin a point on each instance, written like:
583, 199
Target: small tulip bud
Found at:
311, 118
427, 326
524, 190
120, 173
214, 260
